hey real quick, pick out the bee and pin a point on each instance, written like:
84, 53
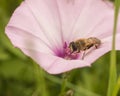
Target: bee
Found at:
83, 45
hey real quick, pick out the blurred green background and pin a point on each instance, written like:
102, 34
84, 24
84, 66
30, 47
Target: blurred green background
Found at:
20, 76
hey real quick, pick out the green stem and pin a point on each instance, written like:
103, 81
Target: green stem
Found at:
116, 88
40, 82
112, 71
64, 83
79, 90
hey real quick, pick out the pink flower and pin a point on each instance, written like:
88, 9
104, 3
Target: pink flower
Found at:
43, 29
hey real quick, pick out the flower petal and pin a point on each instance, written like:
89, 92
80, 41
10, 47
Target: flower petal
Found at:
46, 14
22, 39
58, 65
41, 27
39, 18
94, 14
69, 12
105, 28
23, 19
53, 64
105, 47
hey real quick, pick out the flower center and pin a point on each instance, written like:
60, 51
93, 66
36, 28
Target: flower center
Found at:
67, 54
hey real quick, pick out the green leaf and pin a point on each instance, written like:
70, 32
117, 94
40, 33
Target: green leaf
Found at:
3, 54
112, 71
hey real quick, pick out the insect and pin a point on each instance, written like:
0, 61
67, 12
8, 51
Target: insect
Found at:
83, 45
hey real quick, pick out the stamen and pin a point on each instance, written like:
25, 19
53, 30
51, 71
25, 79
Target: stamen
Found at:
65, 45
68, 54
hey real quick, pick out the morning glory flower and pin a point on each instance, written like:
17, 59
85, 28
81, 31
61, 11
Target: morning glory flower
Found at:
43, 30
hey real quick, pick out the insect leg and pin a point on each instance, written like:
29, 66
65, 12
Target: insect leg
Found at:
78, 50
83, 55
96, 46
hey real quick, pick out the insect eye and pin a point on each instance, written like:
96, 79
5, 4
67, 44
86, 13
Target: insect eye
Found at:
73, 46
